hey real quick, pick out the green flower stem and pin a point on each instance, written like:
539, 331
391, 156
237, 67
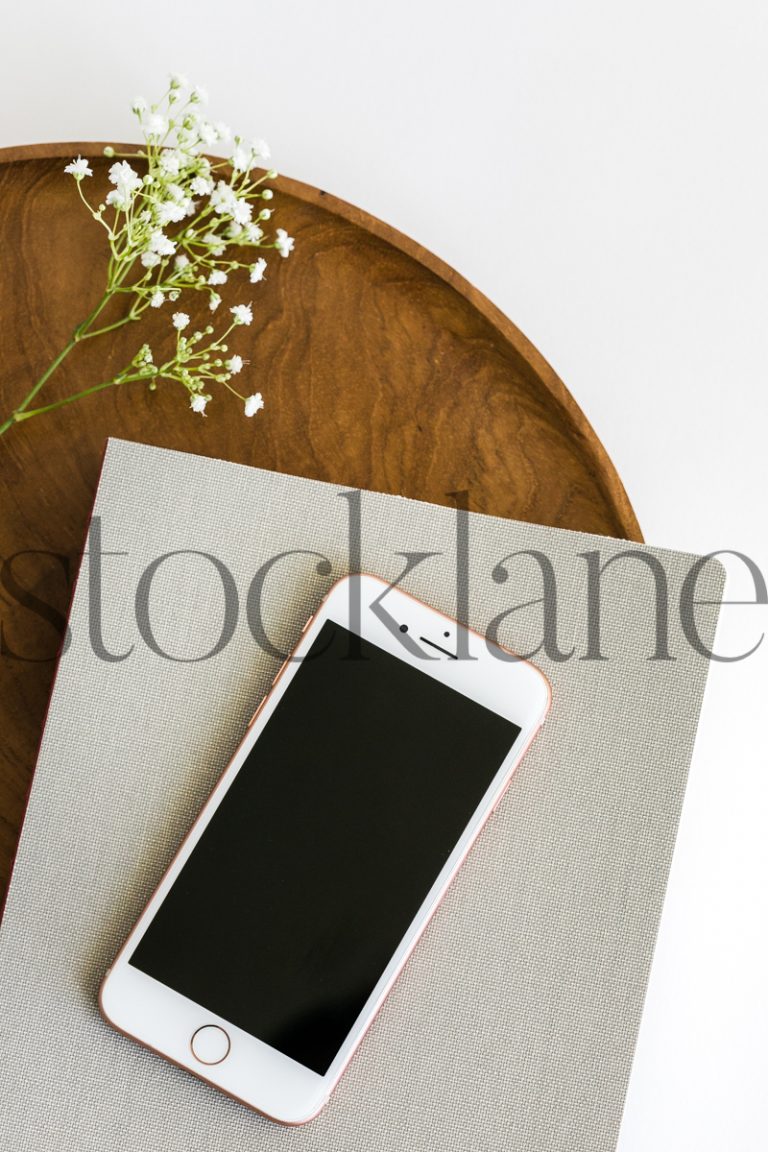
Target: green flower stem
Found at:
110, 327
80, 333
233, 391
46, 375
84, 331
19, 416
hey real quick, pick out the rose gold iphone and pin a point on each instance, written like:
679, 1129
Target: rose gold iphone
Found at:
385, 742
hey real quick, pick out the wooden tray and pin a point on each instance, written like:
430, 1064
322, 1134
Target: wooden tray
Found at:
381, 367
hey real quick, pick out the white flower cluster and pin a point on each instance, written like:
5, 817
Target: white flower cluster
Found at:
126, 184
196, 364
183, 220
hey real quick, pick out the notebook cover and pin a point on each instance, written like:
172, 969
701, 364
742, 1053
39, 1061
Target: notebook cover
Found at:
513, 1024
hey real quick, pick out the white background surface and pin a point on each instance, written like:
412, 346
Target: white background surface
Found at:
600, 170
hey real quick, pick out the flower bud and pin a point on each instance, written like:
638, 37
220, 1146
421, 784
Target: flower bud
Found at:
109, 150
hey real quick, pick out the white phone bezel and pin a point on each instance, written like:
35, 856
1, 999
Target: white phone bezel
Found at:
253, 1072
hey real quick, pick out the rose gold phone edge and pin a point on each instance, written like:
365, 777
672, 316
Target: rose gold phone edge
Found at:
490, 809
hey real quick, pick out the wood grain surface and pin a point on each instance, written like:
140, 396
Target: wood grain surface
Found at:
380, 366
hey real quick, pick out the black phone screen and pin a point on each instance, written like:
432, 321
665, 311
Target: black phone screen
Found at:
324, 847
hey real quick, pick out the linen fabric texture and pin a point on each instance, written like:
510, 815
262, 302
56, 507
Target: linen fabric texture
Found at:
513, 1025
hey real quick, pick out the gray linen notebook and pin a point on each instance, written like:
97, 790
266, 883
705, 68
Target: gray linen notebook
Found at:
513, 1025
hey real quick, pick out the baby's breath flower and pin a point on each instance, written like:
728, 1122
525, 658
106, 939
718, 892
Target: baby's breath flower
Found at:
242, 313
215, 243
223, 199
252, 233
207, 132
199, 94
201, 186
160, 243
127, 183
284, 243
155, 126
169, 181
257, 270
241, 212
169, 162
123, 176
226, 202
119, 200
242, 159
170, 212
79, 168
198, 401
254, 404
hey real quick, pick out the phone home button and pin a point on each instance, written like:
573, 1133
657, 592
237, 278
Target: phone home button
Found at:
210, 1044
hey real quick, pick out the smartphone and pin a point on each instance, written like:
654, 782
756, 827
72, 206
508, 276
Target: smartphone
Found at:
385, 742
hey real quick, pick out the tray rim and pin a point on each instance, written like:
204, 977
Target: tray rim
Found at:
603, 469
